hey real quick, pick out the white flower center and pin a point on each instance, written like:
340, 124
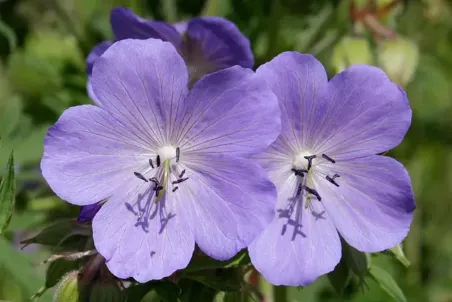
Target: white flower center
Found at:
166, 152
299, 161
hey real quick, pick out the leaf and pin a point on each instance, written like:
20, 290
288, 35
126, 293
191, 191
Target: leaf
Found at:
21, 270
57, 269
205, 262
223, 279
397, 252
340, 277
387, 283
58, 232
153, 292
10, 113
357, 261
7, 195
9, 34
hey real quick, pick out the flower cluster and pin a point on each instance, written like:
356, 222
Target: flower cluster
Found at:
187, 145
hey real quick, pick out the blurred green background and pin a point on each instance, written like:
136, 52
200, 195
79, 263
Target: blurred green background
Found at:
43, 45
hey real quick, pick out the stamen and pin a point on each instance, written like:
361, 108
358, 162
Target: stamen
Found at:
313, 192
310, 158
157, 190
300, 187
151, 163
155, 180
139, 216
182, 173
299, 172
328, 158
177, 154
158, 160
336, 175
331, 180
179, 180
175, 188
140, 176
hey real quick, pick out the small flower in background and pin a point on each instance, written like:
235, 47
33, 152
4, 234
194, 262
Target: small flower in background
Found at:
207, 44
399, 58
324, 166
173, 164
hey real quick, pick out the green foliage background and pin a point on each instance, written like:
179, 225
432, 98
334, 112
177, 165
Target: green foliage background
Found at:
43, 45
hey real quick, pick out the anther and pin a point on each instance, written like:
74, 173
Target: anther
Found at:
331, 180
157, 190
310, 158
313, 192
179, 180
175, 188
139, 216
158, 160
182, 173
300, 187
140, 176
177, 154
328, 158
151, 163
154, 180
299, 172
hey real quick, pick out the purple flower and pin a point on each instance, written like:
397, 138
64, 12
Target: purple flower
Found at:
207, 44
173, 164
330, 181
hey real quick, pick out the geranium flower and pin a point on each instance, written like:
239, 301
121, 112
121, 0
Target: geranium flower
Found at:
330, 181
207, 44
174, 165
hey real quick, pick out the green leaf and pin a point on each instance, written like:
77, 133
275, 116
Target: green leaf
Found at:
340, 277
21, 270
357, 261
9, 34
57, 269
58, 232
204, 262
10, 113
223, 279
153, 292
387, 283
397, 252
7, 195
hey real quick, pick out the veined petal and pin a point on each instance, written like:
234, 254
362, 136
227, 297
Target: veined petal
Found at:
364, 114
89, 155
229, 111
127, 25
149, 247
300, 244
144, 83
232, 201
373, 207
220, 41
299, 81
95, 53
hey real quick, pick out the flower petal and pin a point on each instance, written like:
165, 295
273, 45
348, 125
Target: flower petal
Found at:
300, 244
373, 207
127, 25
229, 111
299, 81
88, 212
365, 113
232, 201
221, 42
149, 247
95, 53
88, 155
143, 82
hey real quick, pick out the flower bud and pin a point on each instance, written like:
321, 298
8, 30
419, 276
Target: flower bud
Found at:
70, 289
350, 51
399, 59
107, 292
